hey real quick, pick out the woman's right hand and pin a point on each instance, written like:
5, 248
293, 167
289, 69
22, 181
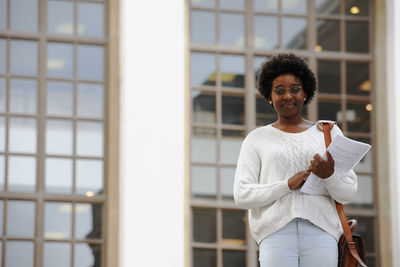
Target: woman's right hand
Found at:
298, 179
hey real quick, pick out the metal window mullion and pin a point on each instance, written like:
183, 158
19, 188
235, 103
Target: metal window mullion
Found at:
343, 99
312, 108
219, 238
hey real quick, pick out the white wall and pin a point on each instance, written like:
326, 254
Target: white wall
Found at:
152, 126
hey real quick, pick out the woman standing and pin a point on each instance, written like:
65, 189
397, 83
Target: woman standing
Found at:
293, 229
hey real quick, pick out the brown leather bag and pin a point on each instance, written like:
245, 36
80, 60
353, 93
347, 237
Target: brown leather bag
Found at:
350, 246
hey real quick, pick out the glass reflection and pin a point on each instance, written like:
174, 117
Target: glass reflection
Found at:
22, 135
14, 250
233, 110
357, 78
204, 225
57, 254
89, 139
233, 70
59, 137
294, 33
232, 4
3, 14
88, 221
266, 31
91, 19
232, 29
203, 69
23, 96
358, 117
328, 6
87, 255
328, 35
60, 97
330, 111
24, 15
58, 175
204, 145
23, 57
230, 147
202, 27
266, 5
204, 181
265, 113
90, 100
60, 17
294, 6
2, 133
227, 178
20, 218
3, 54
90, 62
89, 176
329, 77
203, 107
204, 257
2, 173
357, 7
357, 36
57, 220
364, 196
202, 3
234, 258
21, 179
59, 60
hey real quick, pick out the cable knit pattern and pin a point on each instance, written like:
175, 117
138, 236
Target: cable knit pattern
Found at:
268, 158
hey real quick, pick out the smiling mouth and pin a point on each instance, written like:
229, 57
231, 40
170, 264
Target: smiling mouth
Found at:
289, 105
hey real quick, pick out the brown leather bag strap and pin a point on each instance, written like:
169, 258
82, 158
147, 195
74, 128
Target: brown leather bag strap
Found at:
326, 128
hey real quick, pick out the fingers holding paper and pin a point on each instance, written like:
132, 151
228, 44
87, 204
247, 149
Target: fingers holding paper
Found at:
322, 168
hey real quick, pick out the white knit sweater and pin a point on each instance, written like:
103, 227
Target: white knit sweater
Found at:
268, 158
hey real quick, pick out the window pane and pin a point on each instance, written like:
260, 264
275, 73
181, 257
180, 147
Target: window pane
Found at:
58, 220
58, 175
230, 147
60, 17
2, 172
365, 164
266, 31
328, 35
357, 37
20, 219
202, 3
3, 14
357, 7
2, 133
266, 5
364, 196
21, 179
328, 6
202, 27
203, 69
87, 255
234, 258
88, 221
366, 229
204, 145
1, 217
294, 6
357, 78
91, 19
232, 4
232, 29
294, 33
330, 111
357, 117
22, 135
57, 254
203, 107
59, 60
24, 15
59, 137
233, 70
234, 227
265, 113
233, 110
204, 226
90, 101
90, 62
3, 54
329, 77
3, 96
23, 96
204, 181
60, 97
89, 177
90, 139
227, 178
204, 257
14, 250
257, 64
24, 57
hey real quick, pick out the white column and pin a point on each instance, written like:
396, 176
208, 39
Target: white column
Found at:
393, 97
152, 133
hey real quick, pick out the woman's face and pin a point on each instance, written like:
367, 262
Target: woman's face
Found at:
287, 95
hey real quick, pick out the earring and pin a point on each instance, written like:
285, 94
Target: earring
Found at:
305, 99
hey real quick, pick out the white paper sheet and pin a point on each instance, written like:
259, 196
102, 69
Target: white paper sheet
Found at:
346, 153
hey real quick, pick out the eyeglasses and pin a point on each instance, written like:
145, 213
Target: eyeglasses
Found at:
280, 90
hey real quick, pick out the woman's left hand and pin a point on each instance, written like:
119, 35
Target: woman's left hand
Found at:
322, 168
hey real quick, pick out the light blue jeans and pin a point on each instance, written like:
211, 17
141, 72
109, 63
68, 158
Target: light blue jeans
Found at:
299, 244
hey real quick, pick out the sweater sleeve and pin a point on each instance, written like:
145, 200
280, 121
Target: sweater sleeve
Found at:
248, 192
341, 187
